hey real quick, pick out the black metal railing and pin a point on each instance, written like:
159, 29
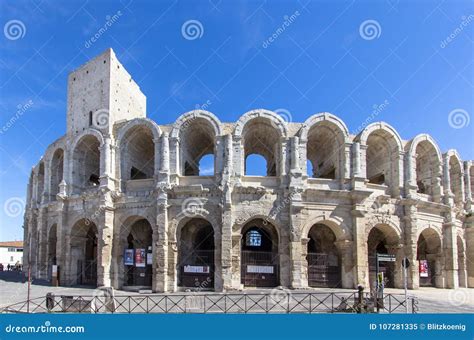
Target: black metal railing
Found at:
276, 301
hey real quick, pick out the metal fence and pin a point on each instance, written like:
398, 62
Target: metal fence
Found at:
278, 301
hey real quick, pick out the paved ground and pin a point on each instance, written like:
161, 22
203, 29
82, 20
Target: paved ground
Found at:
431, 300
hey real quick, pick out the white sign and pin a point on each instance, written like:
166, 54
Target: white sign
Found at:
260, 269
196, 269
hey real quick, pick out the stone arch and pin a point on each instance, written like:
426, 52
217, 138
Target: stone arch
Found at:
424, 166
86, 160
137, 158
324, 136
429, 250
323, 258
135, 236
456, 175
335, 224
260, 254
83, 253
261, 132
197, 253
197, 132
384, 238
384, 146
56, 171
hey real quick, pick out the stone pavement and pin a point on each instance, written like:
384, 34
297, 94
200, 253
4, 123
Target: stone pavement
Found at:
13, 289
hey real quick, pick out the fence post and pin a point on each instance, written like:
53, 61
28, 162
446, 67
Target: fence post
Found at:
360, 298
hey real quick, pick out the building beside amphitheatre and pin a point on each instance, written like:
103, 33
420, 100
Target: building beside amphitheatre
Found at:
121, 201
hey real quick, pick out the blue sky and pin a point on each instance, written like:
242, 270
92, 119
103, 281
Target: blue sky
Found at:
342, 57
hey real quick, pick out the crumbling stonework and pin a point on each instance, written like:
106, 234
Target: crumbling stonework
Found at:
119, 180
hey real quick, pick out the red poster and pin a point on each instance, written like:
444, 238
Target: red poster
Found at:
423, 268
139, 257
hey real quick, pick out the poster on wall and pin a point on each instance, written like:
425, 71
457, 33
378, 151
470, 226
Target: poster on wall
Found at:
423, 268
149, 259
128, 257
140, 257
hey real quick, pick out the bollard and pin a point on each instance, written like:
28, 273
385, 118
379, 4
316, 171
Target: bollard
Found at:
360, 298
49, 301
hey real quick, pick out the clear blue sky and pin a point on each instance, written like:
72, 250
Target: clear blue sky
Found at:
322, 61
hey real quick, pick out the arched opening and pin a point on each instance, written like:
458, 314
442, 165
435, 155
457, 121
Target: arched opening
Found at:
206, 165
324, 265
260, 260
382, 241
52, 241
57, 164
84, 253
382, 158
462, 273
255, 165
137, 154
260, 137
455, 179
427, 167
324, 150
196, 264
428, 249
40, 182
86, 164
137, 254
197, 139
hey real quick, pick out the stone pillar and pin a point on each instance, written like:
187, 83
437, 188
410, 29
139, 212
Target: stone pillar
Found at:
361, 265
175, 167
296, 265
106, 164
172, 284
60, 241
411, 241
467, 186
158, 155
160, 245
451, 255
47, 182
346, 173
304, 262
356, 166
470, 251
448, 192
345, 248
42, 265
236, 262
104, 245
238, 158
397, 250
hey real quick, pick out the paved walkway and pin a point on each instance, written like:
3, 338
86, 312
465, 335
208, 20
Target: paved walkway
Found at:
431, 300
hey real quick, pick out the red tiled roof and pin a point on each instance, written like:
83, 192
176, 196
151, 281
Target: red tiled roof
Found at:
16, 244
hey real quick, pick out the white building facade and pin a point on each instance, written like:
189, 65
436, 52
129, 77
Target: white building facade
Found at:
118, 200
11, 253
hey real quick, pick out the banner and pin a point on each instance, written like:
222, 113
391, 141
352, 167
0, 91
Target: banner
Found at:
423, 268
140, 257
128, 257
196, 269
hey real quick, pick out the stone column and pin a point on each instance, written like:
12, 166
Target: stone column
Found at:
448, 192
304, 262
296, 265
411, 241
451, 255
106, 164
160, 245
470, 250
467, 186
238, 158
361, 265
45, 197
60, 240
345, 248
42, 265
104, 246
175, 166
236, 262
397, 250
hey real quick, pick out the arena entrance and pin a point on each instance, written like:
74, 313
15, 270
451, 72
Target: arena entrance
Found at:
196, 255
428, 248
84, 253
324, 266
138, 254
260, 260
379, 241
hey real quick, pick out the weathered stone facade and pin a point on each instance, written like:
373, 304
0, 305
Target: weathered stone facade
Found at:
123, 181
